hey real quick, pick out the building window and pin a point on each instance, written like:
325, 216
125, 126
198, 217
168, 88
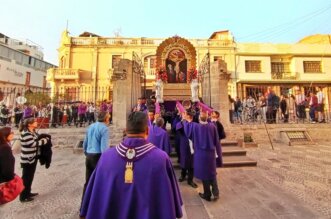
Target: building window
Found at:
312, 67
115, 60
218, 58
253, 66
62, 62
44, 82
27, 79
152, 62
280, 67
255, 91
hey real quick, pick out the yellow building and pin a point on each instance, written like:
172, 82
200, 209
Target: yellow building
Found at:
87, 62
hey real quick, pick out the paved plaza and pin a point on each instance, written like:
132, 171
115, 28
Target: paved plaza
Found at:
289, 182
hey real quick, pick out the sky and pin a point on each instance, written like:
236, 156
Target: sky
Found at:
281, 21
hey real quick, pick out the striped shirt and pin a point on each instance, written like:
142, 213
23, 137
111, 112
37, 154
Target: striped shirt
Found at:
29, 146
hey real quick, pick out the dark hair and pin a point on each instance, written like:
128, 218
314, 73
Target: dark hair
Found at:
136, 123
24, 125
4, 133
102, 116
217, 113
159, 122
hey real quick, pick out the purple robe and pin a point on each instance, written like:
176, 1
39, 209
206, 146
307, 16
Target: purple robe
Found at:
27, 113
153, 194
103, 107
186, 158
82, 109
159, 137
205, 143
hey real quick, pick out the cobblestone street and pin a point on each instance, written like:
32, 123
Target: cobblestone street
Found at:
289, 182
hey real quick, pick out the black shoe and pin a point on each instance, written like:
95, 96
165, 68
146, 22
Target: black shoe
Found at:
28, 199
191, 183
204, 197
181, 179
33, 194
216, 197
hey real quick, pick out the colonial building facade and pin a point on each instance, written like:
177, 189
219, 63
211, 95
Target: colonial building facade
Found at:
87, 63
21, 64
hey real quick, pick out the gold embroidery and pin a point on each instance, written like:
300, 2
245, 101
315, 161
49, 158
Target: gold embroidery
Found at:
128, 175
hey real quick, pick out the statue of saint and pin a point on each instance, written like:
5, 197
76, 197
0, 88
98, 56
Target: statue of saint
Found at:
195, 90
159, 91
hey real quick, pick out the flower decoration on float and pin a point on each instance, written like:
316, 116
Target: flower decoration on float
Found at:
161, 74
192, 74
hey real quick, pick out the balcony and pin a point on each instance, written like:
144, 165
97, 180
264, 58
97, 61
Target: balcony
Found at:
284, 75
119, 41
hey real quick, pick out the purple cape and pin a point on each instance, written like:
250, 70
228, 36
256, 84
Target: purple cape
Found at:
186, 158
153, 194
159, 137
205, 143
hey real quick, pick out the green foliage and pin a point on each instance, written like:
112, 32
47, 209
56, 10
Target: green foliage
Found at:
248, 137
35, 98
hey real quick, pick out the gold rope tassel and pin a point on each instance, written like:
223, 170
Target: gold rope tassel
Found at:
128, 177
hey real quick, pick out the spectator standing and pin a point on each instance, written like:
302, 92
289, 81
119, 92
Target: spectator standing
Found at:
30, 149
135, 179
95, 143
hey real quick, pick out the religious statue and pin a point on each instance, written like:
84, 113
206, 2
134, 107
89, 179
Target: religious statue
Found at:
195, 90
159, 91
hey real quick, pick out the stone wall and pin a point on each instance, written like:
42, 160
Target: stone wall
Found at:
261, 133
320, 133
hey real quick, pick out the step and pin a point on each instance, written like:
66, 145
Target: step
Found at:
174, 162
294, 143
233, 151
238, 161
229, 143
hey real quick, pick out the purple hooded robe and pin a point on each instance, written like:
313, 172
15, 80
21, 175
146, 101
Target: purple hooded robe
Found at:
206, 145
154, 192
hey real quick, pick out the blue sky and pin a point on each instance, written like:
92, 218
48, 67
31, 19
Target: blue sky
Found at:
282, 21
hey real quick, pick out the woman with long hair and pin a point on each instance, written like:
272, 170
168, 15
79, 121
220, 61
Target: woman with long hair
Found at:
7, 160
29, 152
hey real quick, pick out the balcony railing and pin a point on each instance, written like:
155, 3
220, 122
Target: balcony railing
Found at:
284, 75
81, 41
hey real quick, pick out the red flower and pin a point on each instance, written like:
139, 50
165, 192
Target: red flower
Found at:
192, 74
162, 74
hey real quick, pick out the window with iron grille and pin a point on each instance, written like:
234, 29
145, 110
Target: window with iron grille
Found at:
252, 66
115, 60
312, 67
27, 78
280, 67
255, 91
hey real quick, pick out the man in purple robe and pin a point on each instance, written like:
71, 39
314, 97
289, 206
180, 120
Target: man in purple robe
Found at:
207, 153
186, 154
135, 179
158, 136
151, 117
104, 107
82, 109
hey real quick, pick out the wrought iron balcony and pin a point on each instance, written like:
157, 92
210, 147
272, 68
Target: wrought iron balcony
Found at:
284, 75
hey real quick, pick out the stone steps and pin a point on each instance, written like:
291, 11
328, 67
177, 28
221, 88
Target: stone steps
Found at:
233, 151
238, 161
235, 156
